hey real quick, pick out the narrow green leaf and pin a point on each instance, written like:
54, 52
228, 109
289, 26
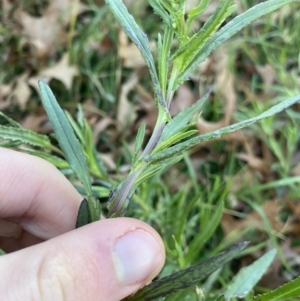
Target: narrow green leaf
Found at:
185, 55
176, 138
163, 54
206, 232
159, 10
173, 150
247, 278
83, 214
76, 128
97, 191
181, 295
140, 39
95, 162
138, 142
94, 209
182, 118
25, 136
196, 11
2, 252
230, 29
154, 169
66, 137
284, 292
56, 161
187, 277
10, 121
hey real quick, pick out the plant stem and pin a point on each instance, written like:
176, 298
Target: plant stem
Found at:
127, 186
153, 139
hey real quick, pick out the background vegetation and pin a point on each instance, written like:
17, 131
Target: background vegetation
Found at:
244, 186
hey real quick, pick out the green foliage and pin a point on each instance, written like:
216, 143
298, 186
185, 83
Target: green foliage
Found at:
72, 150
119, 202
21, 135
188, 277
247, 278
230, 29
180, 147
284, 292
188, 222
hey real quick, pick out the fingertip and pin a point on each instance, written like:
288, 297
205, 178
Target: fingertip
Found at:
106, 260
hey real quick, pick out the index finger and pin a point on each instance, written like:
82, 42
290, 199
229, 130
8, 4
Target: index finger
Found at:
37, 196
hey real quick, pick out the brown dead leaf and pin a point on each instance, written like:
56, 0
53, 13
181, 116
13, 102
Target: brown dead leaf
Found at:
183, 99
277, 273
144, 95
39, 124
294, 217
268, 75
108, 160
62, 71
271, 209
100, 126
254, 162
126, 111
296, 170
129, 53
5, 90
244, 177
148, 107
20, 91
225, 84
45, 33
5, 8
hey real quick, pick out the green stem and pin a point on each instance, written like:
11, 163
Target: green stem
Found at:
120, 199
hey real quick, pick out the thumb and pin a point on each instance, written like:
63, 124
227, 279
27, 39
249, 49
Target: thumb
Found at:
106, 260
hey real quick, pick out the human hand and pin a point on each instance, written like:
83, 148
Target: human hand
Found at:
49, 260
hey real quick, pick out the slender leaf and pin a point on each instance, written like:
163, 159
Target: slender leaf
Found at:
163, 50
206, 232
97, 191
25, 136
196, 11
56, 161
65, 135
138, 142
83, 214
176, 138
159, 10
140, 39
181, 295
95, 162
284, 292
10, 121
173, 150
76, 128
182, 118
156, 168
247, 278
185, 55
2, 252
187, 277
230, 29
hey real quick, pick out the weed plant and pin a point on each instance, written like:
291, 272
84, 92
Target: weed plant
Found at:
189, 217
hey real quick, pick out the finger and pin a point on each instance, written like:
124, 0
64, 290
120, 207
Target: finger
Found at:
36, 195
106, 260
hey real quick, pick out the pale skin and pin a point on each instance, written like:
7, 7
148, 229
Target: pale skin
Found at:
48, 259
